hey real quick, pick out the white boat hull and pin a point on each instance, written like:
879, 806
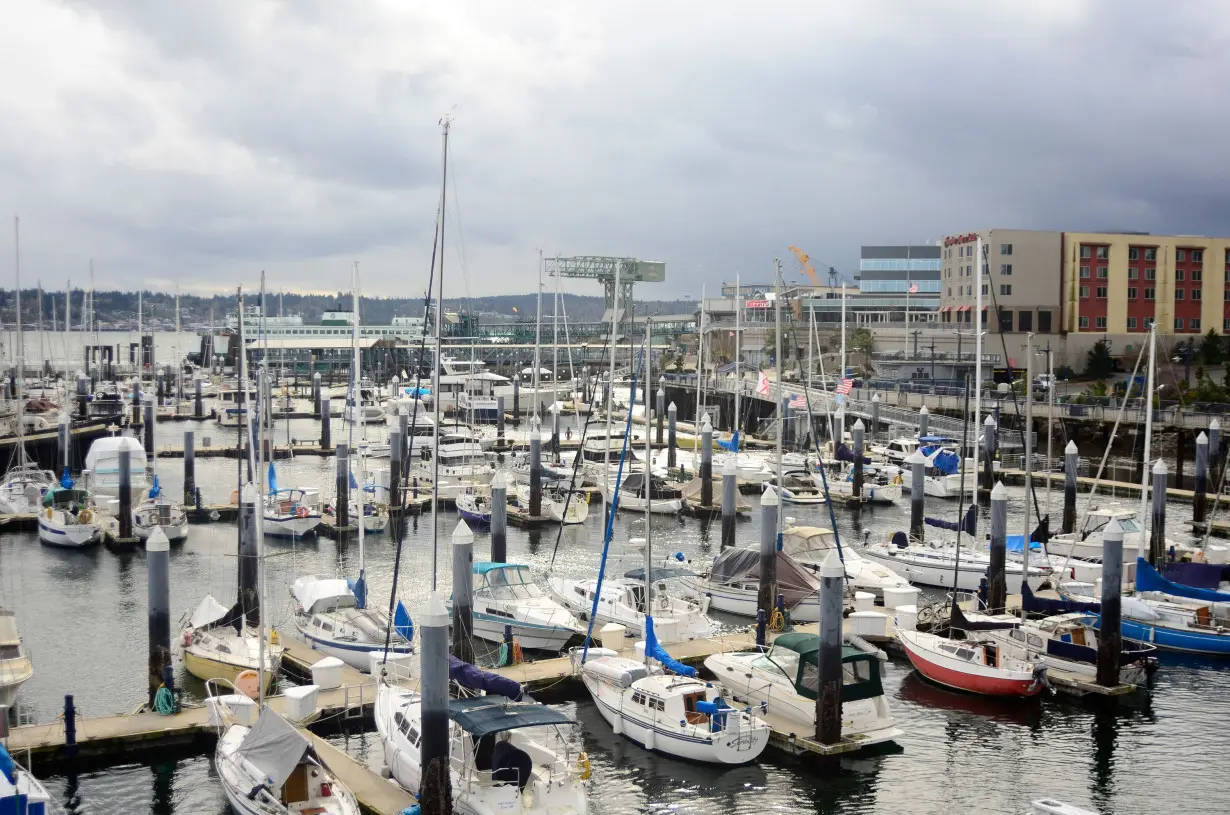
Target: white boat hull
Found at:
295, 526
940, 486
531, 636
743, 602
940, 572
68, 536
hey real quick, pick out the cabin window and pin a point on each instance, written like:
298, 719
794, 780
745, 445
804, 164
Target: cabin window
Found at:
10, 651
1035, 641
810, 680
326, 626
638, 699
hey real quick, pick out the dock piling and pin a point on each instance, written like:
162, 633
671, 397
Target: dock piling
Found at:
1071, 463
66, 441
499, 420
136, 400
554, 433
158, 560
463, 592
918, 473
316, 393
83, 396
706, 464
997, 580
435, 796
924, 422
499, 517
990, 444
397, 504
788, 423
730, 495
148, 427
1157, 534
1215, 451
70, 726
341, 506
516, 394
189, 467
125, 490
828, 700
660, 407
875, 418
1201, 498
768, 551
857, 432
249, 559
1110, 634
536, 468
325, 424
672, 415
198, 399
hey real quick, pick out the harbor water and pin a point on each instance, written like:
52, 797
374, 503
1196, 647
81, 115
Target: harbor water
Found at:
83, 616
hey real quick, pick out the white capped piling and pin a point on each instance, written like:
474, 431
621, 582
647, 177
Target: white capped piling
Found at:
499, 518
918, 474
660, 407
1071, 463
463, 593
672, 415
857, 433
190, 468
536, 469
554, 432
1157, 535
148, 427
326, 424
1215, 450
125, 512
198, 399
1110, 633
989, 446
249, 557
397, 504
788, 422
706, 464
499, 420
730, 498
316, 393
158, 564
768, 552
997, 580
403, 427
435, 794
828, 699
341, 506
875, 417
1201, 497
83, 396
65, 441
924, 422
837, 431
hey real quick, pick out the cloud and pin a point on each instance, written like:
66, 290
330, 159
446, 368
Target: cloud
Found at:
201, 143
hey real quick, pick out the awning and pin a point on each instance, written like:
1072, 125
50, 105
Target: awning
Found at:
483, 715
944, 308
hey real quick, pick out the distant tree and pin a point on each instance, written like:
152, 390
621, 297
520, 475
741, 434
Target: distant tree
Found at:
1099, 363
862, 341
1213, 348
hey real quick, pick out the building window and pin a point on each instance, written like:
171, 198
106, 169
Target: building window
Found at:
1194, 325
1102, 272
1044, 322
1228, 295
1150, 274
1132, 292
1101, 253
1101, 292
1084, 291
1085, 251
1151, 253
1225, 326
1131, 323
1005, 249
1197, 256
1133, 253
1005, 319
1149, 293
1197, 275
983, 321
1178, 274
1025, 320
1005, 268
1133, 273
1005, 289
1084, 272
1178, 322
985, 292
1099, 322
1084, 322
1180, 255
1179, 294
950, 291
1196, 295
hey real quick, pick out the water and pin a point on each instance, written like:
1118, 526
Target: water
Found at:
83, 616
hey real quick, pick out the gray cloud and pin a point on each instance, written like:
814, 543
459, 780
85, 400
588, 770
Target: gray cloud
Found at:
200, 143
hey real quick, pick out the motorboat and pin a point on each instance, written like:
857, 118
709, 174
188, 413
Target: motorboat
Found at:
331, 619
462, 464
159, 512
507, 756
367, 410
660, 499
474, 507
20, 792
942, 474
270, 768
505, 594
68, 517
102, 467
797, 487
895, 451
375, 516
232, 409
21, 492
217, 643
292, 512
15, 665
809, 545
934, 563
622, 601
976, 664
561, 505
732, 585
671, 713
784, 681
880, 485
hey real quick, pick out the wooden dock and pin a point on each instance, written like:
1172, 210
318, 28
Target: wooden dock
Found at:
1017, 477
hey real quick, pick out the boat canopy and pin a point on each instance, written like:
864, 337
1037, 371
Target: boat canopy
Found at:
793, 581
105, 452
274, 746
807, 542
501, 573
484, 715
658, 573
658, 490
946, 461
316, 594
1148, 579
61, 497
860, 671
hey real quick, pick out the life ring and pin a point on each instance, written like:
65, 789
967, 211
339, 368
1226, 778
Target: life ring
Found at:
301, 512
85, 516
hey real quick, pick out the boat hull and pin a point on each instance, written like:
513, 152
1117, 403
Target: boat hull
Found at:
205, 669
531, 636
356, 655
295, 526
174, 532
1176, 639
71, 536
985, 683
940, 574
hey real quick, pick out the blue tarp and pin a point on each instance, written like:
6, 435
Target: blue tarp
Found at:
654, 649
969, 526
1147, 579
1197, 575
946, 461
66, 480
7, 766
1017, 542
732, 445
402, 623
468, 676
359, 589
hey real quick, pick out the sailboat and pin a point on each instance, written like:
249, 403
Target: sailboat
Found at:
159, 512
332, 614
15, 666
69, 517
20, 792
665, 707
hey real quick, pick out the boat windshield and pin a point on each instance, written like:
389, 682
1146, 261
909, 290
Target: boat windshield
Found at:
780, 660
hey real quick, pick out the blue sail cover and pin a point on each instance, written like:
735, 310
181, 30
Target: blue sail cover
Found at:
273, 480
654, 649
1041, 605
844, 453
1017, 542
155, 489
1147, 579
732, 445
969, 525
467, 676
359, 589
66, 480
946, 461
402, 623
1197, 575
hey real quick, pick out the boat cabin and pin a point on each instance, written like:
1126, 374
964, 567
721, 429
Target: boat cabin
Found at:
797, 656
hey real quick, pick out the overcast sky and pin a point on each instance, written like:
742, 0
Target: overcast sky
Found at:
198, 143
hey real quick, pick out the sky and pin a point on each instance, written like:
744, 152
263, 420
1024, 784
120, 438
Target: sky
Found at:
197, 144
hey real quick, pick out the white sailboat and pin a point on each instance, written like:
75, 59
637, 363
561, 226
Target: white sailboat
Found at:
159, 512
15, 666
330, 616
622, 601
20, 792
68, 517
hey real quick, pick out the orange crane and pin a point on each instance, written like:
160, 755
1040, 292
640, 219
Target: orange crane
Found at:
805, 262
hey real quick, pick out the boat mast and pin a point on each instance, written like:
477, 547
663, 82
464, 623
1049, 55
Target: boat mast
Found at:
360, 596
1145, 471
435, 402
700, 375
1029, 461
555, 346
607, 493
979, 441
21, 348
42, 345
738, 368
537, 341
648, 485
778, 363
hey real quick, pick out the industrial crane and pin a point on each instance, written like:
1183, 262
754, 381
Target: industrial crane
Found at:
805, 261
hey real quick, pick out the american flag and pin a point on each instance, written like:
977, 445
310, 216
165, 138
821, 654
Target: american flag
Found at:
799, 402
914, 288
844, 387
